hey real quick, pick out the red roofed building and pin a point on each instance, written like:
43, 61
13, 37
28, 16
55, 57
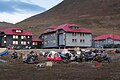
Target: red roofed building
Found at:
106, 39
16, 37
36, 43
66, 36
17, 31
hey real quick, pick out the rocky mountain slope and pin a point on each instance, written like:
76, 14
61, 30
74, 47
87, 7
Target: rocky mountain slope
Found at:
101, 16
4, 25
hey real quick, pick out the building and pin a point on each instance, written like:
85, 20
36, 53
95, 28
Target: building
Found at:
66, 36
106, 40
15, 37
36, 43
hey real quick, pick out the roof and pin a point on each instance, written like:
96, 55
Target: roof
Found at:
66, 27
9, 31
35, 39
105, 36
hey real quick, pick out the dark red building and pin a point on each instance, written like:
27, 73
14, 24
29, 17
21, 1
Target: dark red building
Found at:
36, 43
15, 37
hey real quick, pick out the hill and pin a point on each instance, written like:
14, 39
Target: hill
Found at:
101, 16
4, 25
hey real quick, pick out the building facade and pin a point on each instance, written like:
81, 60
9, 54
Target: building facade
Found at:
106, 40
66, 36
36, 43
15, 37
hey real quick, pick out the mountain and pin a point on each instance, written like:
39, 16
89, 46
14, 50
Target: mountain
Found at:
4, 25
101, 16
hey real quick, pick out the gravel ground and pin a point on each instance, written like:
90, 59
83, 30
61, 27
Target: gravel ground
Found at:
14, 69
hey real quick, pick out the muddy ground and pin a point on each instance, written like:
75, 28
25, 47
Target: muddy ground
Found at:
14, 69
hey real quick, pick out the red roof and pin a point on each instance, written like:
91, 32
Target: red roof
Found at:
66, 27
10, 31
36, 39
105, 36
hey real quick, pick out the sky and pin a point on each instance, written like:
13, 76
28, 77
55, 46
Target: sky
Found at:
14, 11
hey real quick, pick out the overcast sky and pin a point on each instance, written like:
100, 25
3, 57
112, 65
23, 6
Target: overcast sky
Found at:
14, 11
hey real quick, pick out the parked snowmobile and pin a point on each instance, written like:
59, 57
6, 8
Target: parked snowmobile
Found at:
98, 56
54, 56
14, 55
102, 57
31, 58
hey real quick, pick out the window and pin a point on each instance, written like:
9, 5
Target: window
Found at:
74, 40
45, 42
34, 43
53, 34
23, 42
83, 34
82, 41
15, 42
80, 34
4, 35
28, 36
73, 34
42, 37
45, 36
54, 41
23, 37
15, 37
75, 27
48, 41
4, 41
28, 42
18, 31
